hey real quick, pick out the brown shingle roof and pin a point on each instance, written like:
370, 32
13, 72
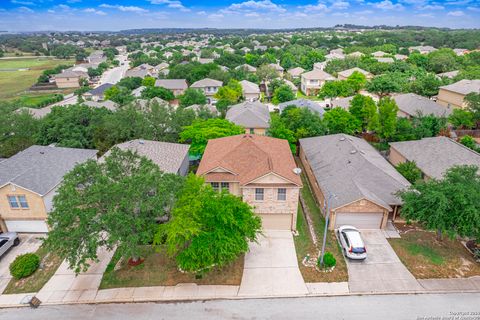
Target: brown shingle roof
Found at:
249, 157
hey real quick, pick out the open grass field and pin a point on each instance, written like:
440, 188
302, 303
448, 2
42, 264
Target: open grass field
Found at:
14, 82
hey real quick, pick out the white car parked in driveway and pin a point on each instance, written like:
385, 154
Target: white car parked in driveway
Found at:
8, 240
352, 243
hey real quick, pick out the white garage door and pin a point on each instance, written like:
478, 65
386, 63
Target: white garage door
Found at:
26, 226
276, 221
359, 220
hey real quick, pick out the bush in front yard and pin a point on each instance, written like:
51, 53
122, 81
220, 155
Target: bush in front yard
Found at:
24, 265
329, 260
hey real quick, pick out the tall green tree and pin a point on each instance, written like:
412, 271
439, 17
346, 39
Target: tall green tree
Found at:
200, 131
192, 96
450, 205
410, 171
114, 203
364, 109
339, 120
384, 85
387, 118
283, 94
208, 229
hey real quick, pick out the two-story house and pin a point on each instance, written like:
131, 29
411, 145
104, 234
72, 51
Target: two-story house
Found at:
208, 86
28, 182
261, 170
453, 95
253, 116
314, 80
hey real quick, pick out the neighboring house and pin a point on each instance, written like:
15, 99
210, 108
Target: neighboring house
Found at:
319, 65
68, 79
303, 103
96, 57
356, 54
400, 57
137, 72
169, 157
138, 92
36, 113
449, 74
177, 86
422, 49
28, 182
292, 86
110, 105
260, 48
247, 68
278, 68
453, 94
97, 94
314, 80
433, 156
411, 105
253, 116
343, 103
250, 90
358, 184
385, 60
208, 86
343, 75
378, 54
198, 108
260, 170
296, 72
460, 52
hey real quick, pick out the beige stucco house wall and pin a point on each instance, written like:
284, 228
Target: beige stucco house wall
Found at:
448, 98
259, 131
63, 82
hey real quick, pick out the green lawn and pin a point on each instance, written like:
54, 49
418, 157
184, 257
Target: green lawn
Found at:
426, 257
49, 264
15, 82
304, 244
160, 270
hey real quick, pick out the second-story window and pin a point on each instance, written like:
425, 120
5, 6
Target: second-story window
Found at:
17, 202
259, 192
282, 194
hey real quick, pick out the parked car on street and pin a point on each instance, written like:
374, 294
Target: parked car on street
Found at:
8, 240
352, 243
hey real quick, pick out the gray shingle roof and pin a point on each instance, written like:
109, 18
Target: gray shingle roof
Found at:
249, 115
343, 103
464, 86
317, 74
171, 84
412, 104
249, 87
207, 82
168, 156
303, 103
352, 169
110, 105
434, 156
41, 168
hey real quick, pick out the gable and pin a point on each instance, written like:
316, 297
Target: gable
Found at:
271, 178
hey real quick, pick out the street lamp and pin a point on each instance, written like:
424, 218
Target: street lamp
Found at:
327, 217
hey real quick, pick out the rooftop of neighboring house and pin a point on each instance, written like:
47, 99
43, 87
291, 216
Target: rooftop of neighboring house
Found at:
249, 115
343, 103
463, 87
297, 71
41, 168
303, 103
348, 73
141, 73
449, 74
317, 74
248, 157
167, 156
414, 104
434, 156
385, 60
246, 67
110, 105
207, 82
172, 84
351, 169
249, 87
67, 74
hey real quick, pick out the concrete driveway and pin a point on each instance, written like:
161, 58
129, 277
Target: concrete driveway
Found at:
28, 243
382, 271
271, 267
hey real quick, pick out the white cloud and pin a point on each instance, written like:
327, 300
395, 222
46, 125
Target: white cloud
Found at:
215, 16
474, 9
95, 11
202, 13
425, 15
316, 7
252, 14
73, 1
388, 5
252, 5
458, 3
25, 3
457, 13
432, 7
174, 4
51, 11
25, 10
340, 5
64, 7
124, 8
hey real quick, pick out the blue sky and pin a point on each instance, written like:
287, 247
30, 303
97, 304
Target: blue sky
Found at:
64, 15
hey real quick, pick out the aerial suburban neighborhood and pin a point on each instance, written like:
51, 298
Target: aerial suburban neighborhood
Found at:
254, 172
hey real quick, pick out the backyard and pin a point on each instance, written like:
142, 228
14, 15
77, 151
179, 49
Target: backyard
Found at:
160, 270
304, 244
426, 257
14, 81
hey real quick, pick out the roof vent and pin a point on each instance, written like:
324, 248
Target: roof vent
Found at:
342, 139
353, 151
297, 171
141, 141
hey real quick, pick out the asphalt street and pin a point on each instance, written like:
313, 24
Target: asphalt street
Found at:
463, 306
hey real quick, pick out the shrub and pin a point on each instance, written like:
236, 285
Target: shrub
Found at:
329, 260
24, 265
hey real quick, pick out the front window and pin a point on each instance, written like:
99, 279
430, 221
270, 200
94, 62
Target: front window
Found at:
225, 186
252, 130
17, 202
282, 194
259, 194
215, 186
